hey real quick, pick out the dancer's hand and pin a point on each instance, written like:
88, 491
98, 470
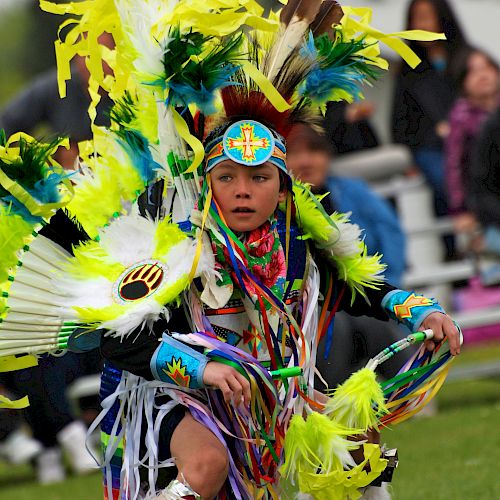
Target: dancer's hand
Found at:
234, 386
441, 325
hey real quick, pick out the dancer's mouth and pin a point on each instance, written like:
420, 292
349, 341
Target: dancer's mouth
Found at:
243, 210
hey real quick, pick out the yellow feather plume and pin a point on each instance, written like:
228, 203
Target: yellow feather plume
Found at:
359, 402
15, 233
318, 461
92, 261
339, 240
167, 235
96, 200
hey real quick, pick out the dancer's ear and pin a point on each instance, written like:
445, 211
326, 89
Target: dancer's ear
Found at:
283, 187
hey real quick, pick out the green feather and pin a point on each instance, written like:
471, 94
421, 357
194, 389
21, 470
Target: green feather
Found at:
197, 66
123, 112
31, 165
338, 53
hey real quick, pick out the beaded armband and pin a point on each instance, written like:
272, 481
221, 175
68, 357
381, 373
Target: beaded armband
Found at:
409, 308
176, 363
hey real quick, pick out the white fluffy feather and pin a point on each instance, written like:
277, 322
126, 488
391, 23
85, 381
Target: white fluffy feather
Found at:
129, 239
146, 312
92, 293
139, 20
348, 243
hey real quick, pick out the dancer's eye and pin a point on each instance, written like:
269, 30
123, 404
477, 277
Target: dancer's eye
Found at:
259, 178
225, 178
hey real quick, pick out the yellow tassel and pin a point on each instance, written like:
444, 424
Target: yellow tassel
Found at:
317, 460
359, 402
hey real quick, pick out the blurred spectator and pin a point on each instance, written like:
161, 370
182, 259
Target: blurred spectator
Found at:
16, 445
478, 79
348, 126
40, 105
424, 96
355, 340
485, 182
49, 414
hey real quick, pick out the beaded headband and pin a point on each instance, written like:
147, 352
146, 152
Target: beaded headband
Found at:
247, 142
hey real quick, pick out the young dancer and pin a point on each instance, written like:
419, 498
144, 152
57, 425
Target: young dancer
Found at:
210, 323
247, 196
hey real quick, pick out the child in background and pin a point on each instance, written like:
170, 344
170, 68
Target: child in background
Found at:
478, 78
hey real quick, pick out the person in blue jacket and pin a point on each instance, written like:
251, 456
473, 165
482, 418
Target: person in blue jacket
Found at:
355, 339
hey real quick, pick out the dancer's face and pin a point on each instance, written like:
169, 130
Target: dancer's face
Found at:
247, 196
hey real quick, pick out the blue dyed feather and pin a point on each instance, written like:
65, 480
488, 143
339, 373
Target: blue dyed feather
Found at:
184, 94
136, 147
131, 140
309, 50
46, 190
338, 68
17, 208
322, 83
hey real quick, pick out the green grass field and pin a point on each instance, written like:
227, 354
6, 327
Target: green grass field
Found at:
453, 455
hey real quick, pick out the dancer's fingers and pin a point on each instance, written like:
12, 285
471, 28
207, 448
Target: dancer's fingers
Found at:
453, 336
226, 391
236, 388
247, 391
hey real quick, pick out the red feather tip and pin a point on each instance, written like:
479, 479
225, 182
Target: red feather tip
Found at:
254, 105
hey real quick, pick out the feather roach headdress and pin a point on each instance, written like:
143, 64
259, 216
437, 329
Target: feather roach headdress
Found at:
207, 63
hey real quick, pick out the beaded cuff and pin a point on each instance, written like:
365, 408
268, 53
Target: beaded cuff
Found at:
176, 363
409, 308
